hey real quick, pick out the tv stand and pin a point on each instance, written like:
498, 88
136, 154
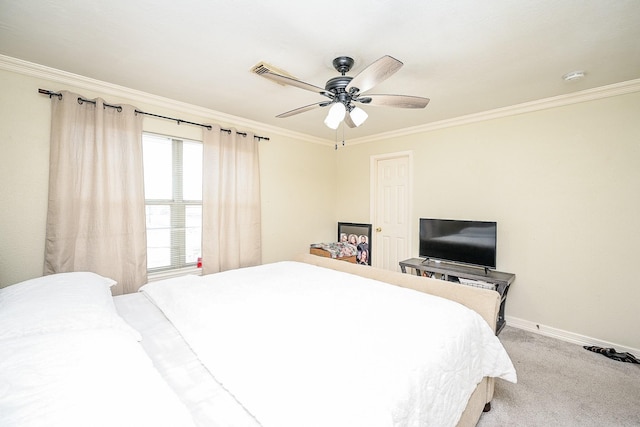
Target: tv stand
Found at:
453, 272
427, 262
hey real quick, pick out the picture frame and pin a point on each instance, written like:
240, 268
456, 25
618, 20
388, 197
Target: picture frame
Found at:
347, 231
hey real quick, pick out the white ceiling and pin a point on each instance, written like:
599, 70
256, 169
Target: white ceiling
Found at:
467, 56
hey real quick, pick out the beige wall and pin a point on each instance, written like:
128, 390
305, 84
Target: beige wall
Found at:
298, 184
563, 185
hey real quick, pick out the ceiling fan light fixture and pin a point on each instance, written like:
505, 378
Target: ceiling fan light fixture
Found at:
358, 116
343, 89
335, 115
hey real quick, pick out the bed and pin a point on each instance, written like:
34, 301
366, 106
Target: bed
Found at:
312, 342
68, 359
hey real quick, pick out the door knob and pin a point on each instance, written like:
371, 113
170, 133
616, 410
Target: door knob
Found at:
378, 230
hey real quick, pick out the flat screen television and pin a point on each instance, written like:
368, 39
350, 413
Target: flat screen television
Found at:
466, 242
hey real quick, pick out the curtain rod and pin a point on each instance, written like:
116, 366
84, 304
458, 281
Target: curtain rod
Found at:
81, 100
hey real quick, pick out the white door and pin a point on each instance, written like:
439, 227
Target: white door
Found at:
391, 209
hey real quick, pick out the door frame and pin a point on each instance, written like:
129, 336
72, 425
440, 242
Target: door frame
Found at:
373, 192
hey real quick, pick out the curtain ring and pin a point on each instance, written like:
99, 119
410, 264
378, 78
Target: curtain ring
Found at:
80, 101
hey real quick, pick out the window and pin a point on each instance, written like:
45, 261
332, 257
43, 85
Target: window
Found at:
173, 199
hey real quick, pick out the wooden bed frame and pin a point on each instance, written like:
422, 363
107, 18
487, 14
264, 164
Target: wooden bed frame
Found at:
483, 301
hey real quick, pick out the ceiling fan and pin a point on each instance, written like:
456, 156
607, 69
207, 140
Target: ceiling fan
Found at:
345, 91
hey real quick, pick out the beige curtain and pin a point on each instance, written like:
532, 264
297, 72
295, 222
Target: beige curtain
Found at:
96, 213
231, 231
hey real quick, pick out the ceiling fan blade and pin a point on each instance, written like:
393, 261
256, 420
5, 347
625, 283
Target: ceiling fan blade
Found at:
375, 73
303, 109
399, 101
297, 83
349, 121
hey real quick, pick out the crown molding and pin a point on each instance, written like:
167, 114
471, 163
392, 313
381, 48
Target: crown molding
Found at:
31, 69
62, 77
615, 89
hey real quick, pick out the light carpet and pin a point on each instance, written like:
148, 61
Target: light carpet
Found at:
562, 384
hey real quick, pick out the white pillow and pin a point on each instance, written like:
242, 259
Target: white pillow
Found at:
59, 302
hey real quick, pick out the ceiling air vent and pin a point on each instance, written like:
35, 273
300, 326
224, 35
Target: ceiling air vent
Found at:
262, 67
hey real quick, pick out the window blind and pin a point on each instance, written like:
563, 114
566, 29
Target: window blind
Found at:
173, 199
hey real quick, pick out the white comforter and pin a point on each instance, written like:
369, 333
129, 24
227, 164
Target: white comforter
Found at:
78, 378
299, 345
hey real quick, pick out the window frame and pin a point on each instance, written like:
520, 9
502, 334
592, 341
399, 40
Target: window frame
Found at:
178, 219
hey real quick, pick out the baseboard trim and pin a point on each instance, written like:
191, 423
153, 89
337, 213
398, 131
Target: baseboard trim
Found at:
566, 336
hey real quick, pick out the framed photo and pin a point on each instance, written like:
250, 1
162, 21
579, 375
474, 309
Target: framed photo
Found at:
358, 235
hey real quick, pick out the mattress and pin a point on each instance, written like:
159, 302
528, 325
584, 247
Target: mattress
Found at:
304, 345
209, 403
